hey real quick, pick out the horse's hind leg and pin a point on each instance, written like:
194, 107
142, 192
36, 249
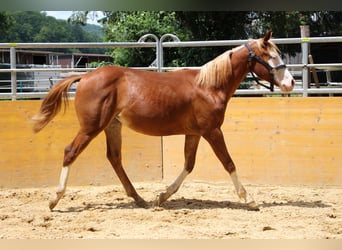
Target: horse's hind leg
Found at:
70, 154
113, 138
61, 187
216, 141
190, 149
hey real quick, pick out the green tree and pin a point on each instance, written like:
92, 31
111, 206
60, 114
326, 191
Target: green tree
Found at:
130, 26
326, 23
5, 22
204, 26
35, 26
286, 23
282, 23
54, 31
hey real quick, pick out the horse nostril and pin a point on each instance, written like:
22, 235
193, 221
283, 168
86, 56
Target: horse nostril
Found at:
293, 82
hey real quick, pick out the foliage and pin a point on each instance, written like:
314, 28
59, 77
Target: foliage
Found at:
34, 26
125, 26
130, 26
326, 23
205, 26
286, 23
4, 23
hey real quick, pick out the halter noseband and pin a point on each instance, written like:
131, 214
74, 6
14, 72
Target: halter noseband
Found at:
271, 69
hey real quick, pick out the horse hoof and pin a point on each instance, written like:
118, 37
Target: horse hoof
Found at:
252, 206
142, 203
156, 202
159, 200
52, 205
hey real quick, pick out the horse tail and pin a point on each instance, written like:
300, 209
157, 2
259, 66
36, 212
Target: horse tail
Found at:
52, 103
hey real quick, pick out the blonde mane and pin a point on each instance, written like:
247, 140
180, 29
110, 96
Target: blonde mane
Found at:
216, 72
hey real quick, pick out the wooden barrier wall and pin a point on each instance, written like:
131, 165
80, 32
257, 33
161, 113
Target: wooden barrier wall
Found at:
272, 141
34, 160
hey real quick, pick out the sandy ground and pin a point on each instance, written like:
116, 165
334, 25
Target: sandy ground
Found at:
200, 210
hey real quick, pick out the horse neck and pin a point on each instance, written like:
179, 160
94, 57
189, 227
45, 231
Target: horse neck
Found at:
239, 58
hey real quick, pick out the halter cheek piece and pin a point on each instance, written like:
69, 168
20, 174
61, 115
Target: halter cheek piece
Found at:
271, 69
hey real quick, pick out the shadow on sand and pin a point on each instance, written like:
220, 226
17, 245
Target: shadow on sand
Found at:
192, 204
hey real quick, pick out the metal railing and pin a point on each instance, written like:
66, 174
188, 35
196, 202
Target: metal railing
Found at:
305, 89
159, 45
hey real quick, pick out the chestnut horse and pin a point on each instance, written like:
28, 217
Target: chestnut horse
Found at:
189, 102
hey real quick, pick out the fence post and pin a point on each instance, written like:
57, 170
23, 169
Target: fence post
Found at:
161, 51
13, 73
143, 38
305, 35
160, 66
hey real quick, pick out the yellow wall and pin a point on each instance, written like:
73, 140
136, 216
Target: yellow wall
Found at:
29, 160
272, 141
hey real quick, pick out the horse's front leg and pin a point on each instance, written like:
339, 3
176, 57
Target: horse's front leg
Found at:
216, 141
113, 138
190, 149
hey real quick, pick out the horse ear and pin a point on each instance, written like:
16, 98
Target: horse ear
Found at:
267, 36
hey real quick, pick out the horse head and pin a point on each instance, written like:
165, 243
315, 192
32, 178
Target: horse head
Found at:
264, 60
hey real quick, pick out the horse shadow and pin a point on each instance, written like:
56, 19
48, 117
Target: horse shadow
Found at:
193, 204
198, 204
99, 207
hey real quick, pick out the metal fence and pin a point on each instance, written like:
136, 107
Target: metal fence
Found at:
302, 88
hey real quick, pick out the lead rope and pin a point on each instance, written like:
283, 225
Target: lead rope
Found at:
271, 87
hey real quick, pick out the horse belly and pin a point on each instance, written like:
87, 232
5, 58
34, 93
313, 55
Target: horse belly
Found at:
155, 126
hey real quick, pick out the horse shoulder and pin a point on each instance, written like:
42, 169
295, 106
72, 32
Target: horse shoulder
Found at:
209, 108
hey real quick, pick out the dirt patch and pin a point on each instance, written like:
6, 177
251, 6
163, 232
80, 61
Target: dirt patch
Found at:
199, 210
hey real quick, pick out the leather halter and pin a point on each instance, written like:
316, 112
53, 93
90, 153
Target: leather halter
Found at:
253, 56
